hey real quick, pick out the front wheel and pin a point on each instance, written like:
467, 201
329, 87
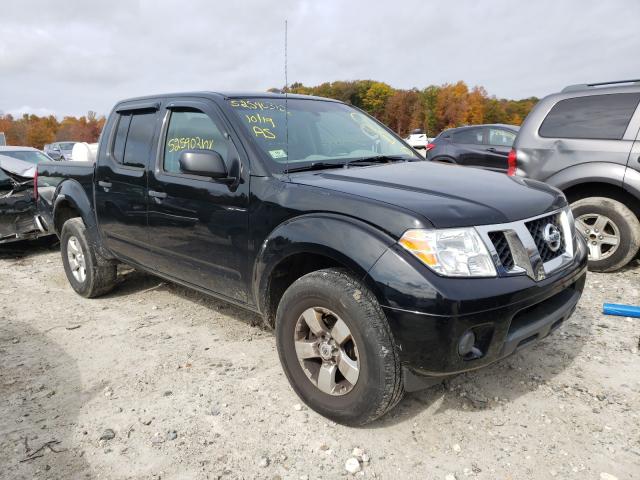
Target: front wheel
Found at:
611, 230
337, 349
88, 273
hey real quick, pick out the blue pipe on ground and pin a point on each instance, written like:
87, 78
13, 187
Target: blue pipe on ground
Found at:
622, 310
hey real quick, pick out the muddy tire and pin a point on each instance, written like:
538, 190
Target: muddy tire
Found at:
611, 230
89, 274
337, 349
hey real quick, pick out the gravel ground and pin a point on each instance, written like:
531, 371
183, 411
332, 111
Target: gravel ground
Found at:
155, 381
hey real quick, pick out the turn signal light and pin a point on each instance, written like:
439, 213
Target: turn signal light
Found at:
512, 163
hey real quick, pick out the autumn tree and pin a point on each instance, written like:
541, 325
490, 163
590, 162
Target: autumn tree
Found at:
375, 99
35, 131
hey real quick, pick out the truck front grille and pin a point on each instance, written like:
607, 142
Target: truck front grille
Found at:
502, 249
522, 247
536, 228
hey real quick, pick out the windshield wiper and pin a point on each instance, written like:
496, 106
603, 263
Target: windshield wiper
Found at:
313, 166
364, 161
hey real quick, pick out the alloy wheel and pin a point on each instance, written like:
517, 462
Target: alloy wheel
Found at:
601, 234
327, 351
76, 259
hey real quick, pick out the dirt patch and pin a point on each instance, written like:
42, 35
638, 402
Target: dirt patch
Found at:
156, 381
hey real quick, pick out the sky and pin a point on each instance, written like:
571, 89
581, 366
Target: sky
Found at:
69, 57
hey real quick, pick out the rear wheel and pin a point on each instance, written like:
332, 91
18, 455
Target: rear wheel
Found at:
611, 230
337, 349
89, 274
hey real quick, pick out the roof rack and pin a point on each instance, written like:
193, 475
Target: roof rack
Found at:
584, 86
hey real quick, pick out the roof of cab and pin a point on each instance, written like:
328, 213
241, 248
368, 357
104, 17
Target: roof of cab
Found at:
465, 127
231, 95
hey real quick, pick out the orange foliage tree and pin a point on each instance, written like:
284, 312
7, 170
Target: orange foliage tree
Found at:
35, 131
432, 109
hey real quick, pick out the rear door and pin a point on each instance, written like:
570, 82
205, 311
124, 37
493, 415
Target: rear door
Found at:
121, 181
198, 228
498, 145
468, 146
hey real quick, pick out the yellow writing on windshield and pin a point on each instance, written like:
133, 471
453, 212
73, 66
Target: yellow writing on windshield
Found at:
256, 105
263, 132
257, 118
192, 143
370, 129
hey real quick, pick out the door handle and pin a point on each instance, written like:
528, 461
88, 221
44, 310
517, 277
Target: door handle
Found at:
154, 194
104, 184
491, 149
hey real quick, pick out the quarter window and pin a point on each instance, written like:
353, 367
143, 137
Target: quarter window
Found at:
603, 117
191, 130
501, 138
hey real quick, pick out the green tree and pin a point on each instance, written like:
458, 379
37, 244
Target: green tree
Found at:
376, 98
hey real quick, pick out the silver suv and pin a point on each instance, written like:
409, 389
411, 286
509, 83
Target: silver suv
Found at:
585, 141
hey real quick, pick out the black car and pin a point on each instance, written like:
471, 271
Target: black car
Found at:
380, 272
484, 146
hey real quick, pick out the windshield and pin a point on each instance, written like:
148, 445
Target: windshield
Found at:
31, 156
318, 131
66, 145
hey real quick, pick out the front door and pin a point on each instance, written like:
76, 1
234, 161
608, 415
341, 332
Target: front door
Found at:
121, 188
198, 228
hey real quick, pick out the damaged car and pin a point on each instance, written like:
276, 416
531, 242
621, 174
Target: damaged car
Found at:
18, 215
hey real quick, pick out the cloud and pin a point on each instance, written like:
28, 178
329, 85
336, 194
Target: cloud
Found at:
75, 56
20, 111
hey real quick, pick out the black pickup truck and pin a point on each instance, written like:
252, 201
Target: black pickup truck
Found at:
381, 273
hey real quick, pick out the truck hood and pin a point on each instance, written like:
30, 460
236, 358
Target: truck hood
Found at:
446, 195
19, 170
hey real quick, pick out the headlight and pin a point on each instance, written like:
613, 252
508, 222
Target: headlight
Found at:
452, 252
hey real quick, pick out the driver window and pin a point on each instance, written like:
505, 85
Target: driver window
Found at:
191, 130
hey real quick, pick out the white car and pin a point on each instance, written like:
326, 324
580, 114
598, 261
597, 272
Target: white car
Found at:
418, 140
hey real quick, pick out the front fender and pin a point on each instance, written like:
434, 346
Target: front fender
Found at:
350, 242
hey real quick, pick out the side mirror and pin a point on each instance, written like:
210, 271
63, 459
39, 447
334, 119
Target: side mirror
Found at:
207, 163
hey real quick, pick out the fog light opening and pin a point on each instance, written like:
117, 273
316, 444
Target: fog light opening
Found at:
467, 346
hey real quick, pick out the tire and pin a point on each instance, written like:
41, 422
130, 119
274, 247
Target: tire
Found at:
591, 215
89, 274
333, 295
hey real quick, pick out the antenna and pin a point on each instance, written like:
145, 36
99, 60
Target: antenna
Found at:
286, 94
286, 80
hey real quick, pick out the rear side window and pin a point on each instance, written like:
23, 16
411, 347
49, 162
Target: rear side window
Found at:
601, 117
470, 135
501, 138
134, 137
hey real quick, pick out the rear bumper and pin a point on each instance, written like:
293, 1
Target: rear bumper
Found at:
504, 314
18, 218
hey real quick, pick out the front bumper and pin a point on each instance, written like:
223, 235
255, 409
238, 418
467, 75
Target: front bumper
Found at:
429, 314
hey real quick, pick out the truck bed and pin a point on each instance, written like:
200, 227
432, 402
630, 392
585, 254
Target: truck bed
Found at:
52, 174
